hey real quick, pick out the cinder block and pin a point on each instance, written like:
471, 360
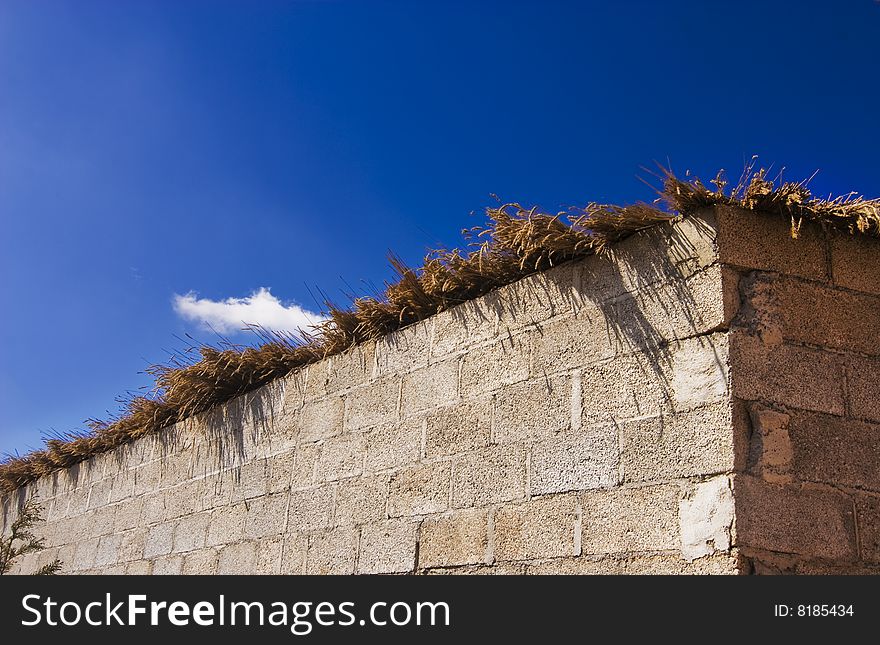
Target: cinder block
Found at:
393, 445
388, 547
757, 241
306, 465
533, 410
624, 520
293, 556
293, 389
700, 371
647, 564
868, 520
168, 565
458, 428
128, 514
673, 564
200, 563
269, 555
536, 298
814, 314
671, 311
226, 525
706, 516
154, 508
251, 480
321, 419
627, 386
99, 495
123, 486
184, 499
159, 541
349, 369
429, 387
575, 566
131, 546
146, 478
771, 452
67, 554
216, 491
266, 515
139, 568
175, 467
799, 377
836, 451
586, 459
863, 381
792, 519
332, 553
543, 527
456, 539
283, 432
190, 532
493, 366
498, 569
77, 503
571, 342
405, 349
279, 471
854, 262
699, 442
372, 404
470, 323
342, 456
310, 509
651, 257
488, 476
107, 552
237, 559
420, 489
361, 499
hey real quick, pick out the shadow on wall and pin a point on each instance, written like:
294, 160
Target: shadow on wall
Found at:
655, 277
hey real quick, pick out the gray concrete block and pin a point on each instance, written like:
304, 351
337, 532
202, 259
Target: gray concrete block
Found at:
488, 476
393, 445
342, 457
321, 419
361, 499
429, 387
700, 442
388, 547
542, 527
332, 553
372, 404
586, 459
420, 489
159, 540
625, 520
310, 509
459, 538
489, 367
533, 410
458, 428
190, 532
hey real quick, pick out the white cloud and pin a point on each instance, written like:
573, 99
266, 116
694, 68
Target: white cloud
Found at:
230, 315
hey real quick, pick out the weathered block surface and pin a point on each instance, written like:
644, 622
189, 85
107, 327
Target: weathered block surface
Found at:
704, 400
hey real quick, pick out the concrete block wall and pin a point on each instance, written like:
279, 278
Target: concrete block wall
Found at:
806, 387
613, 415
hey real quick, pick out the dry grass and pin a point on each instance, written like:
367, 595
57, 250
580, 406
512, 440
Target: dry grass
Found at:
514, 243
793, 200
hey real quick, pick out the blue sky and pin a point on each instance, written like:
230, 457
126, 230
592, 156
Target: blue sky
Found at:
209, 150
